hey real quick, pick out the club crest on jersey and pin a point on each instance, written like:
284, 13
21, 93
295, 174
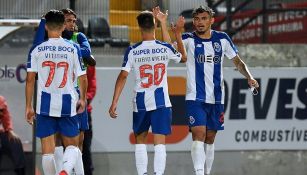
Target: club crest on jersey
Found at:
191, 120
217, 47
216, 59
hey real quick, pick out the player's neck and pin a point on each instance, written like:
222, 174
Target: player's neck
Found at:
148, 36
54, 34
206, 35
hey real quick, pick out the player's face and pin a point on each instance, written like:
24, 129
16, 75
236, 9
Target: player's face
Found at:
70, 22
202, 22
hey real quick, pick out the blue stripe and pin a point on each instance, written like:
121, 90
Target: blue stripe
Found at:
199, 71
45, 103
66, 105
29, 57
159, 97
126, 56
217, 47
187, 35
140, 101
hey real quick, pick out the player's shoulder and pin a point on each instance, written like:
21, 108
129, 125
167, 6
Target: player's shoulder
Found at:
187, 35
167, 45
71, 43
134, 46
36, 46
220, 34
81, 36
163, 43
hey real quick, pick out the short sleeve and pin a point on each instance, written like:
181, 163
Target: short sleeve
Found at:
127, 62
174, 54
185, 39
230, 49
32, 60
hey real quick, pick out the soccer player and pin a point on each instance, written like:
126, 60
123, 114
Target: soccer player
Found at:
152, 107
206, 49
70, 33
55, 61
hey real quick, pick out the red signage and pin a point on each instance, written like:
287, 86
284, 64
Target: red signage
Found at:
284, 27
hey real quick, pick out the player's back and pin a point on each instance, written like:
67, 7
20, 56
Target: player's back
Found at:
149, 60
56, 61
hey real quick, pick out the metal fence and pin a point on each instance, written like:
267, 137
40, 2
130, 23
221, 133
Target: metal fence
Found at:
117, 18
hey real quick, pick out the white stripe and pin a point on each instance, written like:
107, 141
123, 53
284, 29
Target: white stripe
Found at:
191, 78
209, 72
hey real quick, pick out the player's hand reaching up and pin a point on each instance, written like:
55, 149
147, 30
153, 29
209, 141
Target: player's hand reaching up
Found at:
80, 106
160, 16
179, 26
112, 110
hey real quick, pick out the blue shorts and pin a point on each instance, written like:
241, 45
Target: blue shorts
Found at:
205, 114
47, 126
160, 121
83, 120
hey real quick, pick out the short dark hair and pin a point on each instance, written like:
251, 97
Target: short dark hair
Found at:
146, 20
69, 11
54, 19
202, 9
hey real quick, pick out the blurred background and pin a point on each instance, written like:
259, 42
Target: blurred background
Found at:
264, 134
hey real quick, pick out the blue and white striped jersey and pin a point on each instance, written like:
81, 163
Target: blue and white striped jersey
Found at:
205, 66
149, 60
55, 61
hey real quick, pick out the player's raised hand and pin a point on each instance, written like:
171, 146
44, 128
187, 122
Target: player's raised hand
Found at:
30, 115
180, 23
159, 15
179, 26
80, 106
112, 110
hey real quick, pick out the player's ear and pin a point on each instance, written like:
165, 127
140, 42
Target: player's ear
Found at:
63, 27
212, 20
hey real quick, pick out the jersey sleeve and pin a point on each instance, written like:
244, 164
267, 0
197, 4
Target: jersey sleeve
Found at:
32, 60
185, 39
127, 62
230, 49
174, 54
84, 45
78, 62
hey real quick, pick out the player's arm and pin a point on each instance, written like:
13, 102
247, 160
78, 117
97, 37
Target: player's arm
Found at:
241, 66
178, 35
85, 49
82, 78
83, 89
29, 91
119, 86
84, 45
162, 18
30, 81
